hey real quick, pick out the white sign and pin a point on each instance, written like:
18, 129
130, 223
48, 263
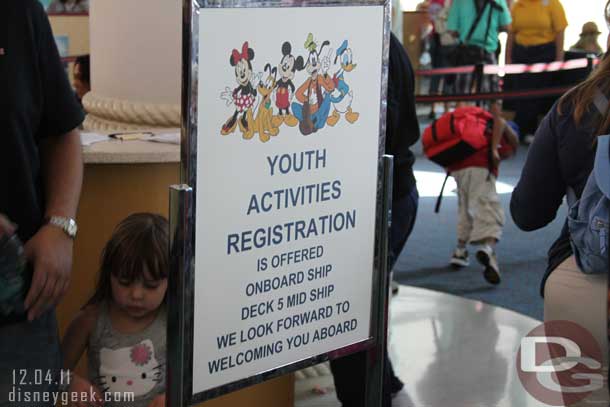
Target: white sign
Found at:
288, 133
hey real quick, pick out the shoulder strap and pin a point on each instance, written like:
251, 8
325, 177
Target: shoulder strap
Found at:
437, 207
493, 6
600, 101
475, 23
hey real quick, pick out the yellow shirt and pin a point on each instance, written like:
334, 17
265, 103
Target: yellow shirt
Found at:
537, 22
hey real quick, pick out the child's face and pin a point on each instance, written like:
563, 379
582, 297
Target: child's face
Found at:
140, 297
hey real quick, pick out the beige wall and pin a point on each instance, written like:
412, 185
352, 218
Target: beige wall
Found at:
138, 58
77, 30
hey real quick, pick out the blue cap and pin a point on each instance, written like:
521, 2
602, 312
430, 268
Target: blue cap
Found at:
602, 164
342, 48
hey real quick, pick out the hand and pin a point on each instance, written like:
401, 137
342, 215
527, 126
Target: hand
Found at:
256, 78
50, 253
159, 401
79, 387
6, 226
227, 96
325, 62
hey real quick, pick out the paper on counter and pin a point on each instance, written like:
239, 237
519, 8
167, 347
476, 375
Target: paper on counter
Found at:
87, 139
169, 138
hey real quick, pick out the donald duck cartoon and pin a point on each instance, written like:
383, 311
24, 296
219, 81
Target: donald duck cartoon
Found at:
342, 96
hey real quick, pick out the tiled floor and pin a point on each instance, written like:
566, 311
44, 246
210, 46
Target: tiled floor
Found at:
448, 350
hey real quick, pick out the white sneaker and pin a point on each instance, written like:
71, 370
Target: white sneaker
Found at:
487, 257
459, 258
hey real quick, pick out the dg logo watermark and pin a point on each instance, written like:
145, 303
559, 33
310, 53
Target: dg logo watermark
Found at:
560, 363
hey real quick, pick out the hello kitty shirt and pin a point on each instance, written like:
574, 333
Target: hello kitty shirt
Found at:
124, 364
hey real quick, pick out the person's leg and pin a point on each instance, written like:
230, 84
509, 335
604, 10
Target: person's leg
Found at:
487, 211
571, 295
464, 222
488, 220
435, 53
525, 112
349, 375
29, 356
404, 213
526, 115
297, 111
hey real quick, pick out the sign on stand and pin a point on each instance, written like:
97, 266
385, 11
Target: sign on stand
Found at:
283, 125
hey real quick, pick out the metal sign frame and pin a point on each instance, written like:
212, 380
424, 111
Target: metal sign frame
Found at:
180, 336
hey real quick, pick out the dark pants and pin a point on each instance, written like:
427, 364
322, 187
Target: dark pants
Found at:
29, 355
528, 110
441, 59
349, 372
477, 82
437, 62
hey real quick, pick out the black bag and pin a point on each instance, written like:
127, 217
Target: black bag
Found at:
467, 54
470, 54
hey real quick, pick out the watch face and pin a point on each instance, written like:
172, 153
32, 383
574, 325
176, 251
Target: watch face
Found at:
71, 228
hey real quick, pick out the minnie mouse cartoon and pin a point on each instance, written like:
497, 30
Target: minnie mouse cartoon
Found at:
285, 88
243, 96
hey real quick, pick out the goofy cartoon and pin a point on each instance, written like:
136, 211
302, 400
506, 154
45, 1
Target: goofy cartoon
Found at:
243, 96
342, 97
315, 104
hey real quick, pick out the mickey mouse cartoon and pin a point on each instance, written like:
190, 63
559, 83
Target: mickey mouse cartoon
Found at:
313, 111
243, 96
285, 88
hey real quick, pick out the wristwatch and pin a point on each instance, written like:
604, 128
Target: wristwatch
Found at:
68, 225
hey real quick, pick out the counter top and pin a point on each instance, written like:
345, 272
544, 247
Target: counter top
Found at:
131, 152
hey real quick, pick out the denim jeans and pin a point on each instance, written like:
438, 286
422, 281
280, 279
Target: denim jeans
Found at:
30, 362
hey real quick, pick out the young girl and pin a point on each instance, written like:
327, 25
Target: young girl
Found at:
123, 326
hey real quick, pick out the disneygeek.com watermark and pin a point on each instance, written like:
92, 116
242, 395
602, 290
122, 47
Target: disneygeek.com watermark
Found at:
63, 398
560, 363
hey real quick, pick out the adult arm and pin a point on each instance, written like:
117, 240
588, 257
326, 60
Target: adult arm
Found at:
559, 22
540, 190
559, 42
50, 249
508, 57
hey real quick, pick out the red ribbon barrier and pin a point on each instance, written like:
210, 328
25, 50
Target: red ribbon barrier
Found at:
513, 68
518, 94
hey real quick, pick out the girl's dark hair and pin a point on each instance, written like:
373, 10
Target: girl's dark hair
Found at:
140, 242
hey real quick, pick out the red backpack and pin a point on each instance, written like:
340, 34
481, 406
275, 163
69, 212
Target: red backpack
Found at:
457, 135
